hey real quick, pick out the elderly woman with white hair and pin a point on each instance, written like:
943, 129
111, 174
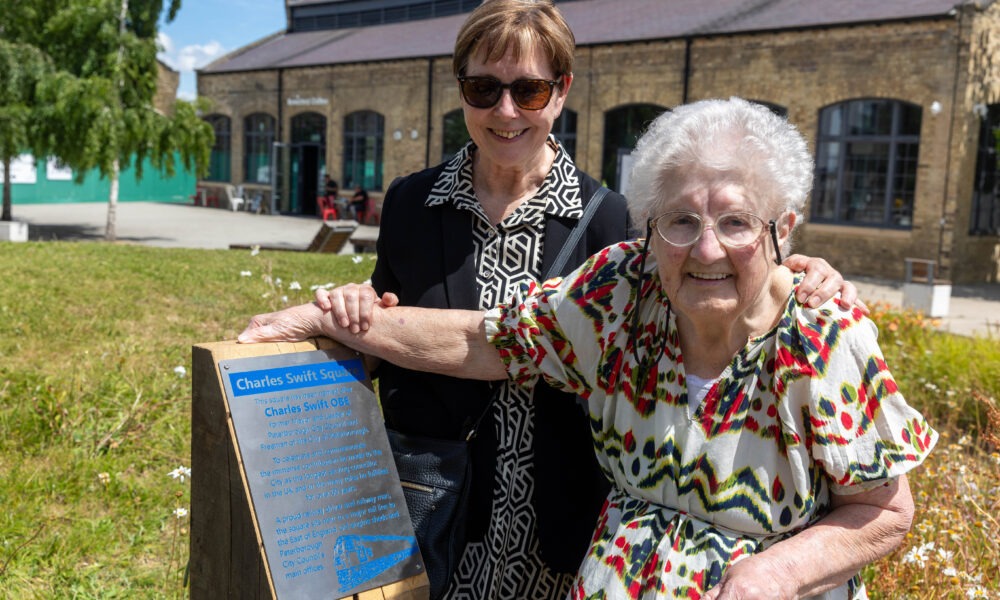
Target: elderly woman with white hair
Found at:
757, 447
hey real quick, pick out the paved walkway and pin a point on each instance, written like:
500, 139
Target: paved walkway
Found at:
172, 225
973, 309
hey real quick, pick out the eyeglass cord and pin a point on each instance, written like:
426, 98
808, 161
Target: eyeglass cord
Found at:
634, 329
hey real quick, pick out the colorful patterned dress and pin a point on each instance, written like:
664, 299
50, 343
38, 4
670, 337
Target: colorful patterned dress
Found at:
807, 409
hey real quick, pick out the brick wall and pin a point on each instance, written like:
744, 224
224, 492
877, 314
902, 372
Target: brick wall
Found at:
950, 62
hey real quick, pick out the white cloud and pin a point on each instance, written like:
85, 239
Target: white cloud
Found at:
196, 56
186, 59
165, 43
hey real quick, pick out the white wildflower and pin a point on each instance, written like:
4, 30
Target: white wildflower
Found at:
284, 299
944, 555
180, 370
104, 478
246, 273
949, 572
976, 592
180, 513
294, 286
254, 250
277, 281
357, 259
918, 554
181, 473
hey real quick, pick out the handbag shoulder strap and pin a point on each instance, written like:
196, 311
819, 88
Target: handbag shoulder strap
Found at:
576, 233
474, 426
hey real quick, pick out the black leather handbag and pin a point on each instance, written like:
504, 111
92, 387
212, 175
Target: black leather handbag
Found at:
436, 477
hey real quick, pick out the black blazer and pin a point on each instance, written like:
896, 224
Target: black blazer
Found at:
426, 257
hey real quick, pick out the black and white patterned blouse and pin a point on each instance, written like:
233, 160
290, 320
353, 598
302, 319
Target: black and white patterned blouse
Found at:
506, 565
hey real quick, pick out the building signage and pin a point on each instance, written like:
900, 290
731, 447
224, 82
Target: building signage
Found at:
300, 101
323, 486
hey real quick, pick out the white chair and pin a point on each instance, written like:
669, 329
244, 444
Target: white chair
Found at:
234, 196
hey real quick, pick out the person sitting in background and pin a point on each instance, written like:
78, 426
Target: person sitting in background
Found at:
757, 447
331, 190
359, 203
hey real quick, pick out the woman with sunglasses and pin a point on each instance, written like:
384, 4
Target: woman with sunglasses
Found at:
465, 234
757, 446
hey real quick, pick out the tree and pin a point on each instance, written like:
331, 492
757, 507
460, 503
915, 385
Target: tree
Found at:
22, 68
96, 110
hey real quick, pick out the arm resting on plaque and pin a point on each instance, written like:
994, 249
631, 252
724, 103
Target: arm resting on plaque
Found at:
450, 342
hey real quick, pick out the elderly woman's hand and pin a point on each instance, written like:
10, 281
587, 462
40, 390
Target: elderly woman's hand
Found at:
755, 579
351, 305
293, 324
822, 282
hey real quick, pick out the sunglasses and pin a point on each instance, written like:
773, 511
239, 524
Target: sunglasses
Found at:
485, 92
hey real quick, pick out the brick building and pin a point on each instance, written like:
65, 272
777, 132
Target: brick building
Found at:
898, 99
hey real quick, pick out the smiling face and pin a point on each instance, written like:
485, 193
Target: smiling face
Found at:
708, 281
507, 136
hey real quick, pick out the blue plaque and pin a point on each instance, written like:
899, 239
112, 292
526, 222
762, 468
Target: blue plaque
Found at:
324, 490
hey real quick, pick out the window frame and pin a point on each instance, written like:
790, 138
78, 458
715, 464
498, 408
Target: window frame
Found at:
221, 158
984, 215
261, 141
891, 192
371, 135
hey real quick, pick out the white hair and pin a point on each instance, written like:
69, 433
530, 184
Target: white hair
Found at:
730, 139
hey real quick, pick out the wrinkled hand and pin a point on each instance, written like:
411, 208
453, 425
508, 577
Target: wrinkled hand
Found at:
822, 282
351, 305
754, 578
293, 324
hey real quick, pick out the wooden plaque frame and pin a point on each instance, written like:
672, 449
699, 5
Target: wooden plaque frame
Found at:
226, 557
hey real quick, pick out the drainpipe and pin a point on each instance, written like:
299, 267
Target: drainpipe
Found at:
281, 105
430, 118
687, 69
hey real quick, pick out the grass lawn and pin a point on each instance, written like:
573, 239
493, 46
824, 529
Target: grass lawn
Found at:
95, 394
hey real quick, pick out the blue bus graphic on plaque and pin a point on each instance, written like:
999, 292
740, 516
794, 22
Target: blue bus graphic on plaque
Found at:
355, 560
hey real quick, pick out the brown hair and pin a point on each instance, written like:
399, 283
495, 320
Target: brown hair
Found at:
519, 26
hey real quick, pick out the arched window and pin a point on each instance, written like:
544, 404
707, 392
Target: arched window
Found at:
565, 131
363, 143
866, 163
258, 137
218, 165
454, 134
622, 128
985, 218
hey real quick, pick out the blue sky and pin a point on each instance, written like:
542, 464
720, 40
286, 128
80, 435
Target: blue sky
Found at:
207, 29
